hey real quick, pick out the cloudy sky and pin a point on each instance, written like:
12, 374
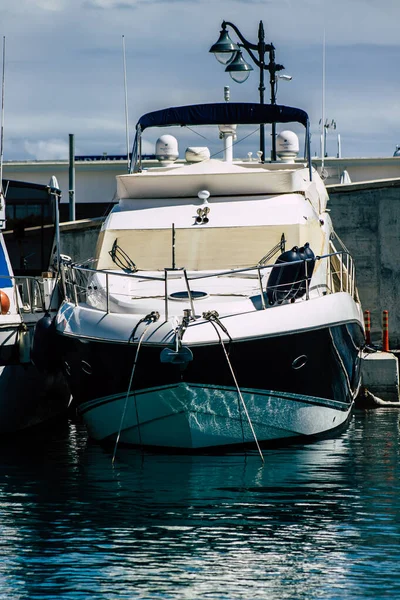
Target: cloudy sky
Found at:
64, 68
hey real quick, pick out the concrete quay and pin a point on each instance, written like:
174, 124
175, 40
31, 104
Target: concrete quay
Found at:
78, 239
380, 380
366, 217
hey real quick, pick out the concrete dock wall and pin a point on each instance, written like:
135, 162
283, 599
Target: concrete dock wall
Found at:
366, 217
78, 238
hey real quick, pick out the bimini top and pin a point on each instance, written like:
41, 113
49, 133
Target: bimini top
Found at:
243, 113
224, 112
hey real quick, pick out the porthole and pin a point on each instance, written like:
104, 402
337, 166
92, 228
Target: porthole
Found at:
67, 368
86, 368
299, 362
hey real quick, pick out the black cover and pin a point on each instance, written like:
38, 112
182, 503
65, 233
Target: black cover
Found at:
221, 113
29, 233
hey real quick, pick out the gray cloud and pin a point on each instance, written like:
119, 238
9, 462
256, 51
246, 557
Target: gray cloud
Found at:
64, 65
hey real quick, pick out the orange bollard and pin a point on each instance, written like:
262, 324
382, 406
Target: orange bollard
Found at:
367, 321
385, 331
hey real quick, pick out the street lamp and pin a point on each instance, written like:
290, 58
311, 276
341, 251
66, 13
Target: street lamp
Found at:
229, 54
238, 68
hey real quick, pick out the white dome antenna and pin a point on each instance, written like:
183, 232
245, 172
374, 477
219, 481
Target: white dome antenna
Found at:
167, 149
287, 146
197, 154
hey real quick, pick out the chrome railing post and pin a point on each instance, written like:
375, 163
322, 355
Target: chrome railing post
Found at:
166, 293
73, 283
107, 296
63, 280
261, 288
341, 272
41, 295
28, 289
307, 282
189, 292
17, 294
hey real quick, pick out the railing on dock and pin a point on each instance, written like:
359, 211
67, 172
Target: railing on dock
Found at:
27, 292
91, 286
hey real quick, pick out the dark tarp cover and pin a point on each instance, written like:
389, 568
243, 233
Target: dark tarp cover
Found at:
243, 113
29, 233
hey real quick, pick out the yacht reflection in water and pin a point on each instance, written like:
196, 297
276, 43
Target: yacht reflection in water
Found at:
312, 522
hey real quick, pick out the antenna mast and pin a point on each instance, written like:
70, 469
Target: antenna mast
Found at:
323, 107
126, 107
2, 117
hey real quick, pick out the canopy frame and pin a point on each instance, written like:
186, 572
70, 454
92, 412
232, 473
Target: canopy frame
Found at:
240, 113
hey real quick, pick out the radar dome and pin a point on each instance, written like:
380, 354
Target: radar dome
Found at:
167, 148
287, 146
197, 153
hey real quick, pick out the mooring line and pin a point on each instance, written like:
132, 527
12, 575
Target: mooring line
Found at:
152, 317
213, 318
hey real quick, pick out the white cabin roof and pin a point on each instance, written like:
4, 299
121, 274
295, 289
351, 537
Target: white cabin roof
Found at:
218, 177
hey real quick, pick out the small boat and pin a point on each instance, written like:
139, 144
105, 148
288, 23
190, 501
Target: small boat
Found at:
221, 309
32, 386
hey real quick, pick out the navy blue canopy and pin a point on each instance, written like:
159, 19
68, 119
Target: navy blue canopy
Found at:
243, 113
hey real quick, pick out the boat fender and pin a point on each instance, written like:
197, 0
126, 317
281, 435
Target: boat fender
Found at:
45, 345
4, 303
305, 253
284, 282
24, 344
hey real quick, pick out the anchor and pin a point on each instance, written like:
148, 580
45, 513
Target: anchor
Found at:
181, 355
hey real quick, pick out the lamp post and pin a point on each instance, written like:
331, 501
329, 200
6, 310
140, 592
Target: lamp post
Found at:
229, 53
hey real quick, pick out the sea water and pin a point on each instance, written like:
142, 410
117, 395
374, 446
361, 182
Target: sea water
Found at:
315, 521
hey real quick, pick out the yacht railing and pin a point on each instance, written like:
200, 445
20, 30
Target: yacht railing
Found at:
27, 292
337, 274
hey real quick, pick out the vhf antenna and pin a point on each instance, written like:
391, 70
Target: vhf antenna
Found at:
126, 107
2, 195
2, 117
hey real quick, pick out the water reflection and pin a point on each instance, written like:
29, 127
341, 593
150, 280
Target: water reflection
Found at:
321, 520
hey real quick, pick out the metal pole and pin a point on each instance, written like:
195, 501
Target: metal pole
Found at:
107, 296
126, 107
323, 107
261, 54
166, 293
57, 219
2, 117
272, 70
173, 245
71, 177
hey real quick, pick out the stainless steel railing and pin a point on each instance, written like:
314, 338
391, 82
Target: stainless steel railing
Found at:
26, 291
81, 283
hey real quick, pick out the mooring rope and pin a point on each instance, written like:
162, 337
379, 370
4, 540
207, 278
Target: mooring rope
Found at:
152, 318
213, 317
